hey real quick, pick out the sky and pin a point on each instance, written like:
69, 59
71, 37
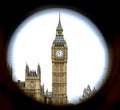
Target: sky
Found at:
87, 51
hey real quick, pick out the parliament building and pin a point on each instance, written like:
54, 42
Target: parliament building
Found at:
32, 84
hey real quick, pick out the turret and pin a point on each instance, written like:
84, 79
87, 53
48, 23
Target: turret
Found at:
26, 71
39, 71
47, 92
42, 91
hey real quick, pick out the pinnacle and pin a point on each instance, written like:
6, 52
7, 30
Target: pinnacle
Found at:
59, 27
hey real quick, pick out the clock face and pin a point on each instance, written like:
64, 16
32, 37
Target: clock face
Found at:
32, 84
59, 53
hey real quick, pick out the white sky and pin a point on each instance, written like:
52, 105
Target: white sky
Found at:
87, 52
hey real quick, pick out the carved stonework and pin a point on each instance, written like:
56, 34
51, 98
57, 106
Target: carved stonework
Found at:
87, 93
32, 85
59, 67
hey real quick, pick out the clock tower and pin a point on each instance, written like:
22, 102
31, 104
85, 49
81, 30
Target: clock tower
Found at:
59, 67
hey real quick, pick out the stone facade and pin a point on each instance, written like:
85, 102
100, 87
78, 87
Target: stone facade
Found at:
32, 85
59, 68
87, 93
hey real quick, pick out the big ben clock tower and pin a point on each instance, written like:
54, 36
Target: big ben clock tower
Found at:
59, 67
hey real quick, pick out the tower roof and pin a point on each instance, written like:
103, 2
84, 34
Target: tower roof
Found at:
59, 32
59, 27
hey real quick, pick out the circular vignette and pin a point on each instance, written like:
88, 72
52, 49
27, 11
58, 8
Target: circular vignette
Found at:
46, 9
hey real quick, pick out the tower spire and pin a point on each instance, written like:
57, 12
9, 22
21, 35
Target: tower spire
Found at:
59, 31
59, 27
59, 16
